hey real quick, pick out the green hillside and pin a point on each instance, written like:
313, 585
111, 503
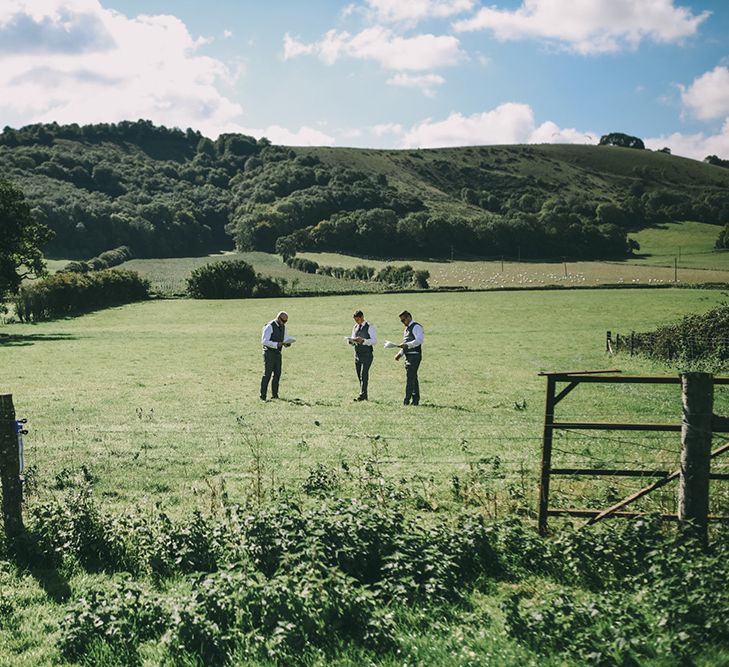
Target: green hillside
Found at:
169, 193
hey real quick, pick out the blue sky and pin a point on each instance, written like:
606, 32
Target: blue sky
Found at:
377, 73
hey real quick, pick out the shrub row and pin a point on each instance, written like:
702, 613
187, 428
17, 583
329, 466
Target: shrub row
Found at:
65, 294
105, 260
394, 276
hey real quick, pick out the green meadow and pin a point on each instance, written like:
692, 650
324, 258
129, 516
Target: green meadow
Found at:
156, 406
160, 399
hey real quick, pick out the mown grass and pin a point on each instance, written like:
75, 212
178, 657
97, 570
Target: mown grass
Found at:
158, 401
150, 393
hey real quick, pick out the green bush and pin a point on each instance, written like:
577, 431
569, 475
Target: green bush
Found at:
403, 276
69, 293
222, 280
112, 620
310, 608
235, 279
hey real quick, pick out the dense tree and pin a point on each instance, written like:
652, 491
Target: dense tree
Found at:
21, 240
620, 139
716, 161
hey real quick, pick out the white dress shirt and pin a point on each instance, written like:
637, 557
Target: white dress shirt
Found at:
419, 335
373, 333
266, 337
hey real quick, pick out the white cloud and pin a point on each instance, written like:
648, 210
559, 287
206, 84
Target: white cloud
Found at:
422, 52
708, 96
696, 146
386, 128
304, 136
509, 123
425, 82
414, 10
294, 48
73, 61
589, 26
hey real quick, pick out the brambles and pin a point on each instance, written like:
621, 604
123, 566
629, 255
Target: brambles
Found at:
294, 582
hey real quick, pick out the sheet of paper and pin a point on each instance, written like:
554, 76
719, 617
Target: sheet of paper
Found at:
389, 344
288, 340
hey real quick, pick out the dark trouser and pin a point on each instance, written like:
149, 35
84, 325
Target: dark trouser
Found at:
271, 367
412, 386
362, 366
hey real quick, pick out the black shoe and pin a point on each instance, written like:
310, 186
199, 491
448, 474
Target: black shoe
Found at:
263, 398
406, 401
416, 402
361, 398
274, 397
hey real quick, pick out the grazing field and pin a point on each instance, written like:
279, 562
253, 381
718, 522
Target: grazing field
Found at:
155, 407
691, 244
156, 398
495, 274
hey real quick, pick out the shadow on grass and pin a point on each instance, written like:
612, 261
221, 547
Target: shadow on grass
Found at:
29, 559
18, 340
458, 408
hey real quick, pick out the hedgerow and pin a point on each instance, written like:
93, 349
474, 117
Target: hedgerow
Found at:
71, 293
698, 337
105, 260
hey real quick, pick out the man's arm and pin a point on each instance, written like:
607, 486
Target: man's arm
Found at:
419, 335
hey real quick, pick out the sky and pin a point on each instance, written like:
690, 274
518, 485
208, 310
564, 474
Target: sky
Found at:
377, 73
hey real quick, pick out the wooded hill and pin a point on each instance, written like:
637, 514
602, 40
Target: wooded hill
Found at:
167, 192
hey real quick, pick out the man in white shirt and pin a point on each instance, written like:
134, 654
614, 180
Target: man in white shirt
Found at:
411, 349
272, 339
364, 337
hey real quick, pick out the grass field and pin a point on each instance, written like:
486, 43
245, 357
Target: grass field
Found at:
148, 395
157, 404
690, 243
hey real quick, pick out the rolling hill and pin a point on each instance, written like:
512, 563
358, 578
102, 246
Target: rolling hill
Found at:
167, 193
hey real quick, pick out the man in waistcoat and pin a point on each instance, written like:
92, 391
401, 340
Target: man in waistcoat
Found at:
364, 337
272, 339
411, 349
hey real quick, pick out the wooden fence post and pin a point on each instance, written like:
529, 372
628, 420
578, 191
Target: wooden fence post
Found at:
10, 469
546, 456
697, 396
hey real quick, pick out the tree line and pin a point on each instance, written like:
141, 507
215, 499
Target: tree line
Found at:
167, 192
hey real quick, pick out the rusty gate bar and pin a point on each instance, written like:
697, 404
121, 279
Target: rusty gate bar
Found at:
573, 379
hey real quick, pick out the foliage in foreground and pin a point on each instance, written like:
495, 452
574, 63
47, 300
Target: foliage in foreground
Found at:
71, 293
296, 580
